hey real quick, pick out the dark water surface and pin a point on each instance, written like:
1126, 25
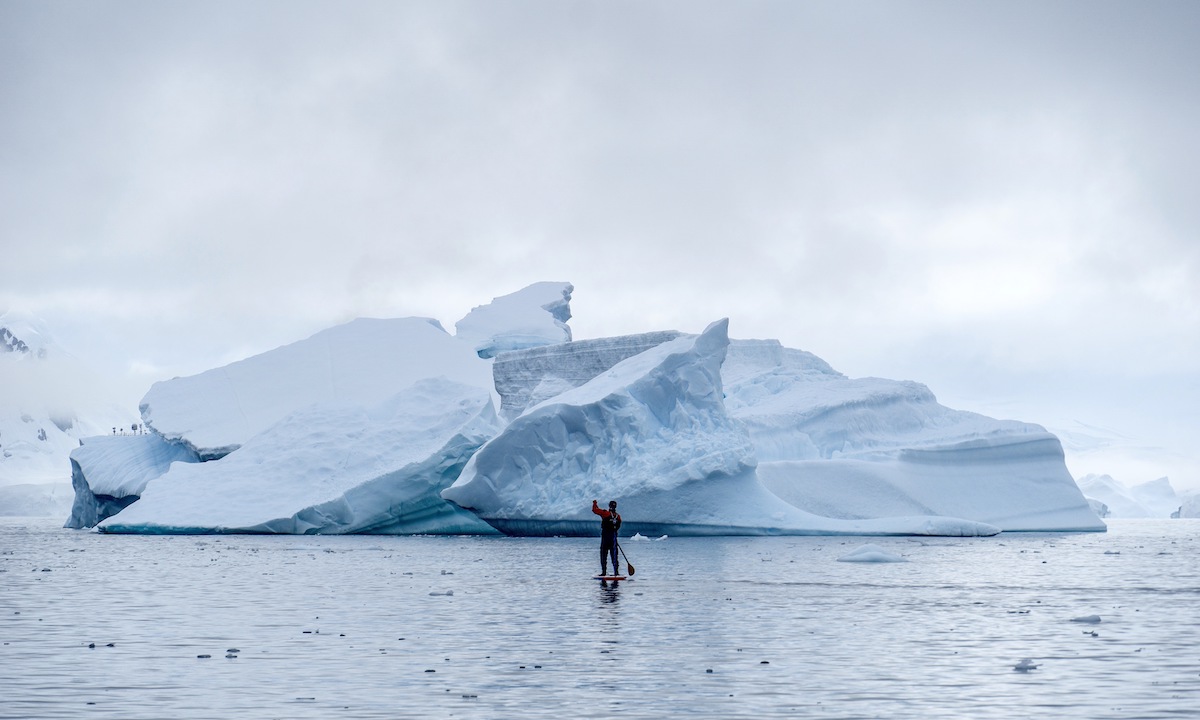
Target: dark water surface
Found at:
424, 627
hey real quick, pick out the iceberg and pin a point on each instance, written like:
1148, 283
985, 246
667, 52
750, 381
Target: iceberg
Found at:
392, 426
1153, 499
871, 554
1189, 505
652, 431
534, 316
109, 472
331, 469
361, 362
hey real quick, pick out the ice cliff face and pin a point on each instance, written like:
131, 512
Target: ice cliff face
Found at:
110, 472
531, 317
527, 377
362, 361
332, 469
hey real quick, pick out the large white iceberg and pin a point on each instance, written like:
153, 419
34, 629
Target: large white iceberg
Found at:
652, 431
365, 427
331, 469
360, 362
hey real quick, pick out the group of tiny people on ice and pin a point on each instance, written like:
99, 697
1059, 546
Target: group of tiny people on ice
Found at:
610, 523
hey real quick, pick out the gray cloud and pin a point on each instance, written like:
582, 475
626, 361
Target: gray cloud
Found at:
990, 198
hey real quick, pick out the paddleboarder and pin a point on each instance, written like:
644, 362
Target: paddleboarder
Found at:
610, 523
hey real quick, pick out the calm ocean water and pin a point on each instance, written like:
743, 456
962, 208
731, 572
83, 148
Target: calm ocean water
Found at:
97, 626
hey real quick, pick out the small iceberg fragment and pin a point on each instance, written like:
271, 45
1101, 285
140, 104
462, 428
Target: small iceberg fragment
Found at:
871, 554
1090, 619
638, 537
1025, 665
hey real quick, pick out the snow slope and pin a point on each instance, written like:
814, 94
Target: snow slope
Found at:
360, 362
331, 469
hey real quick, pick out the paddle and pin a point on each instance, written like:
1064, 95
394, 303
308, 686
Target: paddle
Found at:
628, 564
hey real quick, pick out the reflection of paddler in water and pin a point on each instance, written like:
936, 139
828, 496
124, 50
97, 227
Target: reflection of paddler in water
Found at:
610, 523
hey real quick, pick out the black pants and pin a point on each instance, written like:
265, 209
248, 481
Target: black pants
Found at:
608, 548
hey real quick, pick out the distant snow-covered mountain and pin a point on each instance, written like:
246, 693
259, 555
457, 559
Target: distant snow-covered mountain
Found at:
1153, 499
50, 401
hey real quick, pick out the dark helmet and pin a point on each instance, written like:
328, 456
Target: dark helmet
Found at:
612, 504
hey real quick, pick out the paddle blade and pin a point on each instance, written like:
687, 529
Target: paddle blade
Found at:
629, 568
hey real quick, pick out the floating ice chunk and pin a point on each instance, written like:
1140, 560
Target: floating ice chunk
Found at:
871, 554
1090, 619
1025, 665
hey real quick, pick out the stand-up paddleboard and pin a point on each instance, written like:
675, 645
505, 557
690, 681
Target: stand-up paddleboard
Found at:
610, 577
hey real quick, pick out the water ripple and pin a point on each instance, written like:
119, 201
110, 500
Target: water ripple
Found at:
370, 627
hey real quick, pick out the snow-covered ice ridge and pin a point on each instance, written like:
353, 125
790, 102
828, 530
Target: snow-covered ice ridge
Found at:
389, 426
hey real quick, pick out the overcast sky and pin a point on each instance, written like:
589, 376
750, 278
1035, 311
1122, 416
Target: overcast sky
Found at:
999, 200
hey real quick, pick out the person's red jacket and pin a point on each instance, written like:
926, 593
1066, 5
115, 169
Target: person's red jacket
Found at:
604, 513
